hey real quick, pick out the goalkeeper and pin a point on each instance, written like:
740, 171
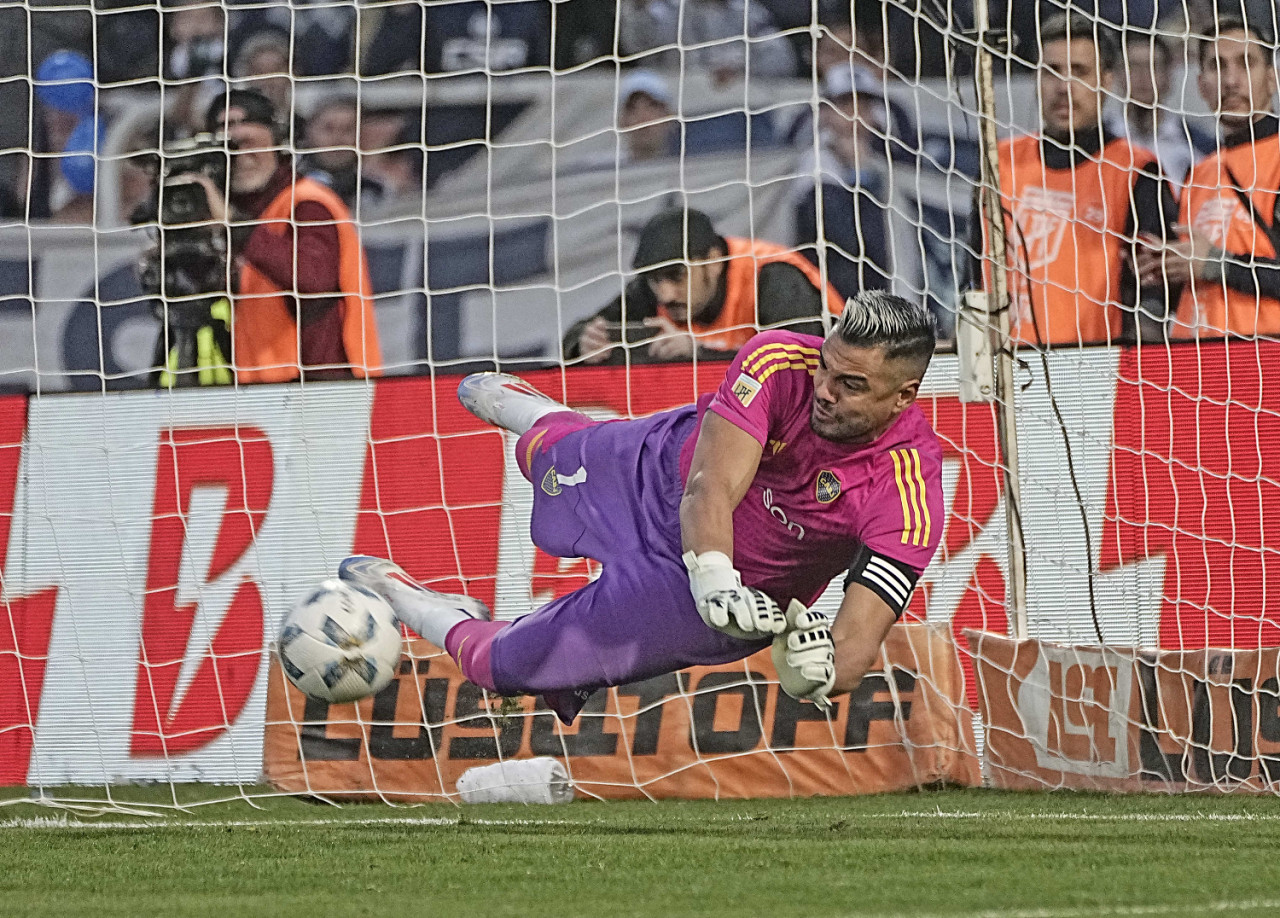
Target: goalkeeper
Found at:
718, 523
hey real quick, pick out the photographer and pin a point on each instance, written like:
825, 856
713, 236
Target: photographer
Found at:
697, 292
302, 301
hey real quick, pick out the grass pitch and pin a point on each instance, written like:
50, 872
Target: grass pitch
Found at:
950, 853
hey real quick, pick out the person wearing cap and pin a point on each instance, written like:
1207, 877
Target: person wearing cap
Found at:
1229, 256
1076, 198
698, 291
853, 168
646, 119
302, 303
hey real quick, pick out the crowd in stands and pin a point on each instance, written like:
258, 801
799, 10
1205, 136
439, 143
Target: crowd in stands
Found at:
1119, 132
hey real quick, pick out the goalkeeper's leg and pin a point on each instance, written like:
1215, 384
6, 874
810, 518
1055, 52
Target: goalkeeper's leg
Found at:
426, 611
638, 620
506, 401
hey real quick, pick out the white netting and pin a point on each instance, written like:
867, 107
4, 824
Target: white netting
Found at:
499, 160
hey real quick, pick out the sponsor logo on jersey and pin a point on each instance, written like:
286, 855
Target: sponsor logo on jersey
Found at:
550, 484
745, 389
781, 515
827, 487
1043, 215
916, 523
776, 446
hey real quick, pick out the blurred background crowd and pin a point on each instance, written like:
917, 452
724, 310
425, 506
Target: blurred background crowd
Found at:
383, 102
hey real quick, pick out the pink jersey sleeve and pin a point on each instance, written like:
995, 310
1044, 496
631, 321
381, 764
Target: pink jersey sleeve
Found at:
906, 508
766, 377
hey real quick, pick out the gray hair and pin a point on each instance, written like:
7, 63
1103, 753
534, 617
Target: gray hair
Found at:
874, 318
266, 40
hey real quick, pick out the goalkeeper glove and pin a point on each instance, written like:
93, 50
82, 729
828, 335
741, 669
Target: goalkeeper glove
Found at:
805, 656
725, 604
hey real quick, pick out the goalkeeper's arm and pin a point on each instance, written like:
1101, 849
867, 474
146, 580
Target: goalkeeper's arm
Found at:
876, 592
815, 661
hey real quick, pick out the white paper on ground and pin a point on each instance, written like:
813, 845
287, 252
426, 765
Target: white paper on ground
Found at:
538, 780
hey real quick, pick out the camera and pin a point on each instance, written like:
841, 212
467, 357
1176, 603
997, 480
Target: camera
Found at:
185, 267
189, 254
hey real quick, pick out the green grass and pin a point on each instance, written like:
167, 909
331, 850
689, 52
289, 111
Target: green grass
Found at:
957, 853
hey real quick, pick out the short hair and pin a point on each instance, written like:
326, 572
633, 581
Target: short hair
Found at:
875, 318
1068, 26
673, 235
257, 109
1233, 22
340, 98
1156, 41
255, 44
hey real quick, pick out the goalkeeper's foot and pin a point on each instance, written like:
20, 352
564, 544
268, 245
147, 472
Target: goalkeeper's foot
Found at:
427, 612
505, 401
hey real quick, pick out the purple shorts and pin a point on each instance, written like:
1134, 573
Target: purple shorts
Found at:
608, 491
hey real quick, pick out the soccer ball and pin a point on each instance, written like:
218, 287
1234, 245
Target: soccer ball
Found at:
340, 642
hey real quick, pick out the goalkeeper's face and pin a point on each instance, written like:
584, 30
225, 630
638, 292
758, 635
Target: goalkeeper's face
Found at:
858, 392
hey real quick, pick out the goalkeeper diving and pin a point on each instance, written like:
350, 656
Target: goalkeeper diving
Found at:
718, 524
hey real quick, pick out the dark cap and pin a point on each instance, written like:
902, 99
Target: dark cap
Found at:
257, 109
675, 235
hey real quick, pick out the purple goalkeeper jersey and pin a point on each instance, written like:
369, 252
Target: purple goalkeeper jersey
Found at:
814, 502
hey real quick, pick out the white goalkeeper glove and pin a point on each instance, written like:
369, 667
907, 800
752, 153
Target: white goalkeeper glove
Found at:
725, 604
805, 656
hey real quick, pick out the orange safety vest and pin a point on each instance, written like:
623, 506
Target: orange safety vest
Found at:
1066, 239
264, 331
1211, 205
738, 320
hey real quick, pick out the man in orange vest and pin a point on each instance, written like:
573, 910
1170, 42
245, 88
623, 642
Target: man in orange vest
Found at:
303, 304
698, 290
1230, 256
1075, 199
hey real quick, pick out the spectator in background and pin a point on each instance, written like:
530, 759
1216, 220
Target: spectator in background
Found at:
859, 53
853, 185
302, 302
1075, 199
195, 56
1230, 258
467, 37
330, 140
1175, 141
699, 292
263, 63
710, 36
646, 118
391, 166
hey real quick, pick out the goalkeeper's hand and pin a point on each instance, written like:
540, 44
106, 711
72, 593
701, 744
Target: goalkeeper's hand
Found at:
725, 604
805, 657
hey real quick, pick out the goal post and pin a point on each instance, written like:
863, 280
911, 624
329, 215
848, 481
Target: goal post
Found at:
1097, 614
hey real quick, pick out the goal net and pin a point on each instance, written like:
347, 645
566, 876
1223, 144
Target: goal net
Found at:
159, 515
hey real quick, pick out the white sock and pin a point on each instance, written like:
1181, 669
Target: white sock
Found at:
520, 412
432, 620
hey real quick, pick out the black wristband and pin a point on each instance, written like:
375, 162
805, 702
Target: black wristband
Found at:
890, 579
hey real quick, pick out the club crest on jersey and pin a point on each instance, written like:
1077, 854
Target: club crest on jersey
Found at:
550, 482
827, 488
745, 389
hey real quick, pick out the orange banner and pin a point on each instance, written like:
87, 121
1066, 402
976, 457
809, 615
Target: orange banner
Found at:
722, 731
1099, 718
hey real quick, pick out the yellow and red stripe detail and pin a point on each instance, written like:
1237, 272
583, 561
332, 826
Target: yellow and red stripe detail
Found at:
917, 524
767, 359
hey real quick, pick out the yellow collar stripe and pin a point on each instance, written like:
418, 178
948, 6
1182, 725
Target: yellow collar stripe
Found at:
766, 352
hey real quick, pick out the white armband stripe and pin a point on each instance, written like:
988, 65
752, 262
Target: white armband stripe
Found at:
892, 589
